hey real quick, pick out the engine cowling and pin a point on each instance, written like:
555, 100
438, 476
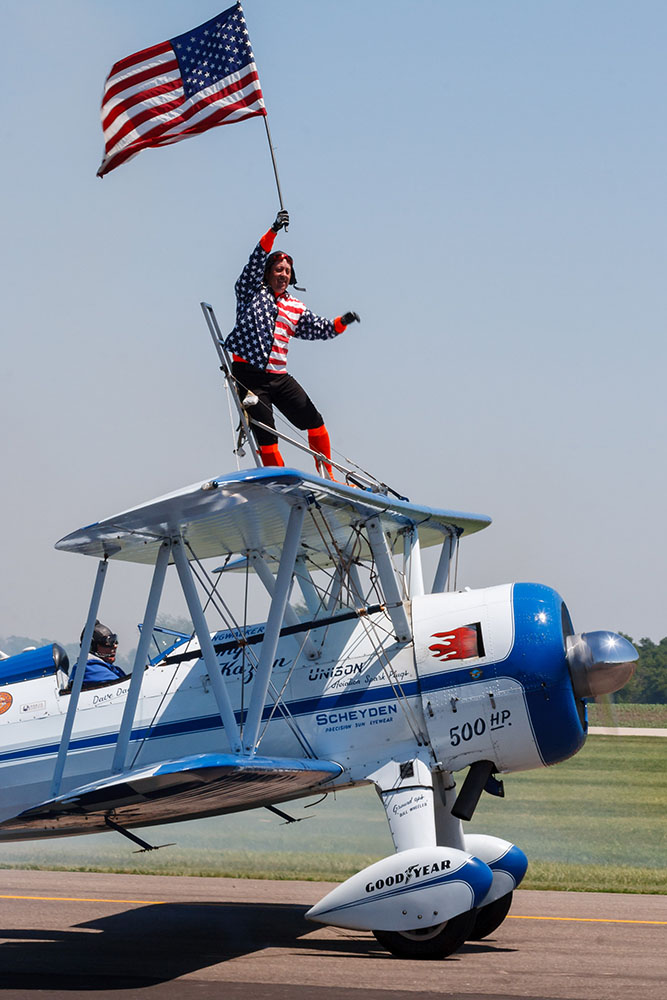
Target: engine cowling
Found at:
503, 677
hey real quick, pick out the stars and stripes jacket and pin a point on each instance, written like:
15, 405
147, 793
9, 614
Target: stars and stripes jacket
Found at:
264, 323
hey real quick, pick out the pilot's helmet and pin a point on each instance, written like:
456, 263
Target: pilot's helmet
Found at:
102, 636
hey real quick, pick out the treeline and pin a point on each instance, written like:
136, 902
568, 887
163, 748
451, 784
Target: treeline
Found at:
648, 686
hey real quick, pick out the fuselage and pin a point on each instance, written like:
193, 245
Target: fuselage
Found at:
485, 677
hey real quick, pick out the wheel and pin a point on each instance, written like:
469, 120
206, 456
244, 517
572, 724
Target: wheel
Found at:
490, 916
429, 942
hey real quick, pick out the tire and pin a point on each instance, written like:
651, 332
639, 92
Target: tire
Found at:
429, 942
490, 917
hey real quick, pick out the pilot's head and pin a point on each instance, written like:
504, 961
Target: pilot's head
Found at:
104, 642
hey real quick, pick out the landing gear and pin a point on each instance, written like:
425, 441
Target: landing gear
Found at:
489, 917
429, 942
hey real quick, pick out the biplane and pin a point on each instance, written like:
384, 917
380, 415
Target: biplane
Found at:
357, 675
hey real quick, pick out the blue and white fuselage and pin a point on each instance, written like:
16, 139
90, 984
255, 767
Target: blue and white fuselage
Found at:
377, 681
357, 703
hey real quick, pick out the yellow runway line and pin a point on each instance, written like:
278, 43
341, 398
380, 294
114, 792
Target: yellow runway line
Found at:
588, 920
162, 902
85, 899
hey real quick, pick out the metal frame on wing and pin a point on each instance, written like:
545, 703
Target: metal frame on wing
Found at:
297, 523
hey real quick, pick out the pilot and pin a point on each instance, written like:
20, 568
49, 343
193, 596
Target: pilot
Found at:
100, 666
266, 317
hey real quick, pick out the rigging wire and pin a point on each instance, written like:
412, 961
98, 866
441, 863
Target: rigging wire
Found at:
236, 627
369, 628
284, 423
172, 678
280, 704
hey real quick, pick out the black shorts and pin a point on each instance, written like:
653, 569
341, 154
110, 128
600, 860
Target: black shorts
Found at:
272, 389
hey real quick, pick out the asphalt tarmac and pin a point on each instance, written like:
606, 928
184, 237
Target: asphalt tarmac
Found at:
71, 935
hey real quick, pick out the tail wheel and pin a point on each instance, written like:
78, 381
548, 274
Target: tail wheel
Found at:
489, 917
429, 942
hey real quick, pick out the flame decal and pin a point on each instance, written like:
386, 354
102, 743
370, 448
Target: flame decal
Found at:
457, 644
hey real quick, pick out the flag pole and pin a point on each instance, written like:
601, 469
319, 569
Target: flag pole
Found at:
273, 159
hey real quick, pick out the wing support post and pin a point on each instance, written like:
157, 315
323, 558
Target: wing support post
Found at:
291, 618
274, 622
447, 555
143, 844
140, 659
206, 645
77, 680
307, 587
385, 567
412, 562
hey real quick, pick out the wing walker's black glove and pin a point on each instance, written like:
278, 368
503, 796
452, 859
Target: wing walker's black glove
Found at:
350, 317
282, 220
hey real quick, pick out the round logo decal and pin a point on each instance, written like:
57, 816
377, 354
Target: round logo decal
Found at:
5, 701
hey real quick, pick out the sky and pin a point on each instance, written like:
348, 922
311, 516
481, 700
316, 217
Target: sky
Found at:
483, 181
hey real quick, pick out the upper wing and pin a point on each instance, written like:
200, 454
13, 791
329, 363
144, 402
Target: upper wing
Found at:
191, 787
248, 510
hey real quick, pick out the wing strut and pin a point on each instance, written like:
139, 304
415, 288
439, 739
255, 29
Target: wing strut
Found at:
273, 625
77, 680
395, 608
206, 645
120, 761
449, 550
412, 562
267, 578
143, 844
307, 587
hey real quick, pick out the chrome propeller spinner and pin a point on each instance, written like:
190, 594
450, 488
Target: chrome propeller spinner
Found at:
600, 662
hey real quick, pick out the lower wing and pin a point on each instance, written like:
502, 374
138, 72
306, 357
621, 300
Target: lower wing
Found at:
187, 788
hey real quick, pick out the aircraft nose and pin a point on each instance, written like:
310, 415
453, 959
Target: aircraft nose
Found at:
600, 662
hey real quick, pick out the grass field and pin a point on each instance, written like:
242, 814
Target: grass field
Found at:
639, 716
594, 823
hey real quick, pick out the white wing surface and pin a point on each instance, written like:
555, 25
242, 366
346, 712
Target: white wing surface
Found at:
249, 510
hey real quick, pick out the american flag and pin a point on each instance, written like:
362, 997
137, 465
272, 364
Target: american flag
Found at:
181, 87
